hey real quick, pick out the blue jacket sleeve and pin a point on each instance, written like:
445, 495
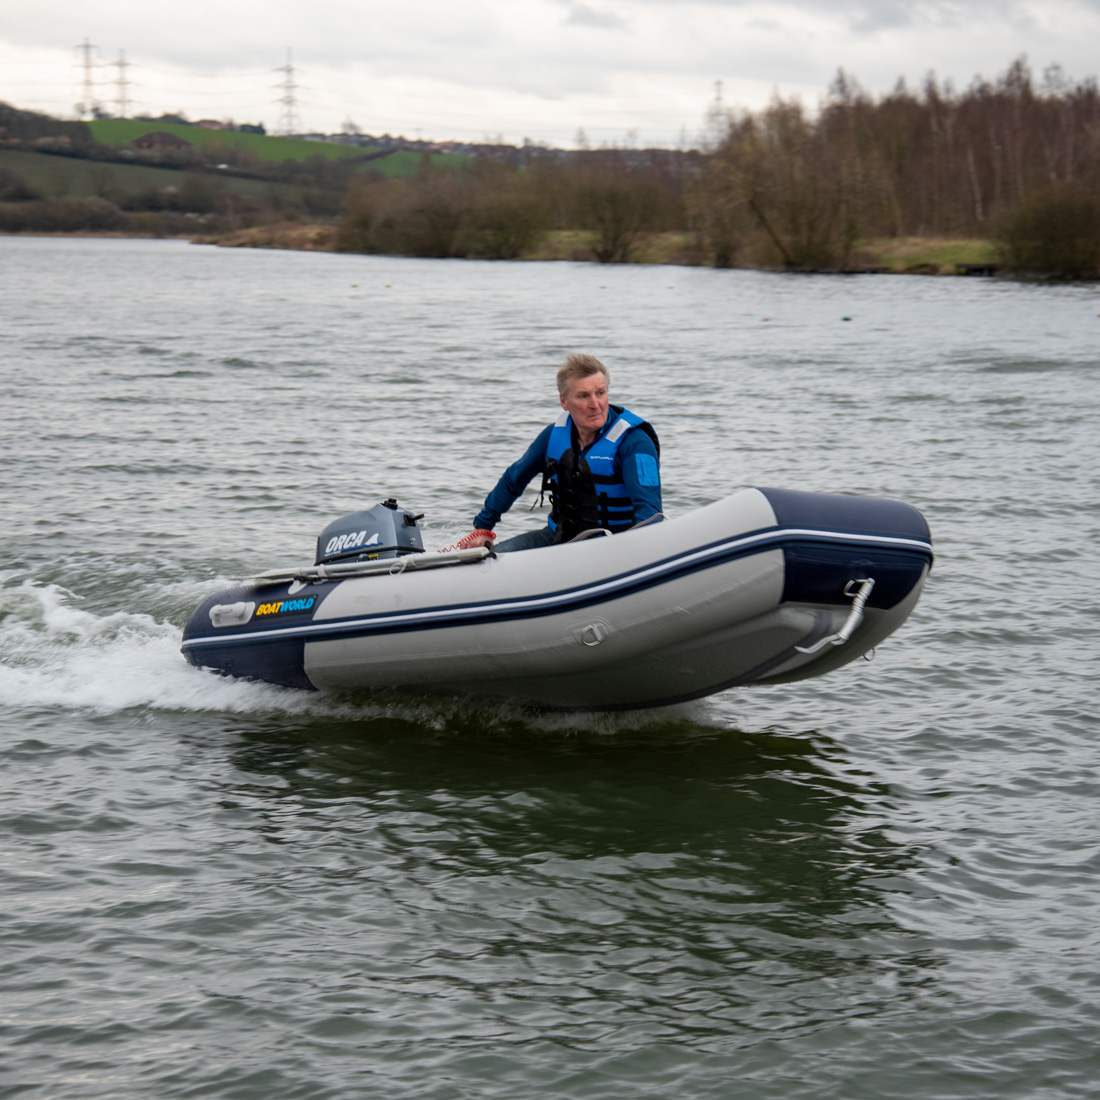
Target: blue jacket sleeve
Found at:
640, 469
513, 481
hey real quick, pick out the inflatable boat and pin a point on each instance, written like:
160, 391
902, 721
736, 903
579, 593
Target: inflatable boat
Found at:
766, 586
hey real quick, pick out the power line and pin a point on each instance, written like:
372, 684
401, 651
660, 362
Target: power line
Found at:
289, 123
123, 98
88, 103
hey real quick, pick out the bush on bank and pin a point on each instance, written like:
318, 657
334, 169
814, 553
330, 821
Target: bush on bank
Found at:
488, 211
62, 216
14, 188
1055, 234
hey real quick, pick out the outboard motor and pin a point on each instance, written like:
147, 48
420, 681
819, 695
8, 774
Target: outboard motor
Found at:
385, 531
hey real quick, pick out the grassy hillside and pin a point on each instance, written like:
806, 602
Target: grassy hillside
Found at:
403, 163
121, 131
273, 150
69, 177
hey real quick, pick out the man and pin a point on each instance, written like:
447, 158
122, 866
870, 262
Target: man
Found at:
599, 462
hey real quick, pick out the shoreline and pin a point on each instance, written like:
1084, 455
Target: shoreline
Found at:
884, 256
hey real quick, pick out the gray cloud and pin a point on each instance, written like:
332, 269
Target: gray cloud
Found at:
870, 16
530, 66
581, 15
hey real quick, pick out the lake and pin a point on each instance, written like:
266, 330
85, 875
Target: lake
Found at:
881, 883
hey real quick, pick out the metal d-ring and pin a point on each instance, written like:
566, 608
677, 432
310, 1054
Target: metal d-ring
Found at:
855, 616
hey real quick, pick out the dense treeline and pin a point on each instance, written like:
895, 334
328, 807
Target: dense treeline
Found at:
1007, 159
934, 162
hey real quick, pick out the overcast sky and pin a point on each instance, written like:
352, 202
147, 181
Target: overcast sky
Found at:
642, 71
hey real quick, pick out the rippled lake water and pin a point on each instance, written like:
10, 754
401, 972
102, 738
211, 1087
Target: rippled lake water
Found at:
882, 883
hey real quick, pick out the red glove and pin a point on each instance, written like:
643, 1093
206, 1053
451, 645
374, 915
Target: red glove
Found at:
477, 537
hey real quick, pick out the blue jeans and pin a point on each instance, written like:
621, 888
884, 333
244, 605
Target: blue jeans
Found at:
529, 540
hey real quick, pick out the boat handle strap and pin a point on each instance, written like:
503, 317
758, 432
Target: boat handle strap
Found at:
859, 596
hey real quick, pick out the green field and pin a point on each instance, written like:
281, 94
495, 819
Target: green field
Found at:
273, 150
404, 163
121, 131
59, 177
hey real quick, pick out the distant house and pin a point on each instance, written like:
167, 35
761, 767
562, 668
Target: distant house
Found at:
56, 143
212, 124
159, 141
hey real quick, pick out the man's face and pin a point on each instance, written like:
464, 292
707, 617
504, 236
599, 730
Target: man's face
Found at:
585, 400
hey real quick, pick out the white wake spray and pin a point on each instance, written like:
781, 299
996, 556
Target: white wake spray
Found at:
53, 653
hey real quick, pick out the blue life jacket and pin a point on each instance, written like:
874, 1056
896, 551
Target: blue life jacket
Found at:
585, 490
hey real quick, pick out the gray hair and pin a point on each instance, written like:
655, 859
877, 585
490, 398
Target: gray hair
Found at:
579, 365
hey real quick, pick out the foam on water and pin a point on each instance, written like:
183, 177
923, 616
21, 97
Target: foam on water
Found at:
54, 653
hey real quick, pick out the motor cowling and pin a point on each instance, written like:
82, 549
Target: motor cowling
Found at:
385, 531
